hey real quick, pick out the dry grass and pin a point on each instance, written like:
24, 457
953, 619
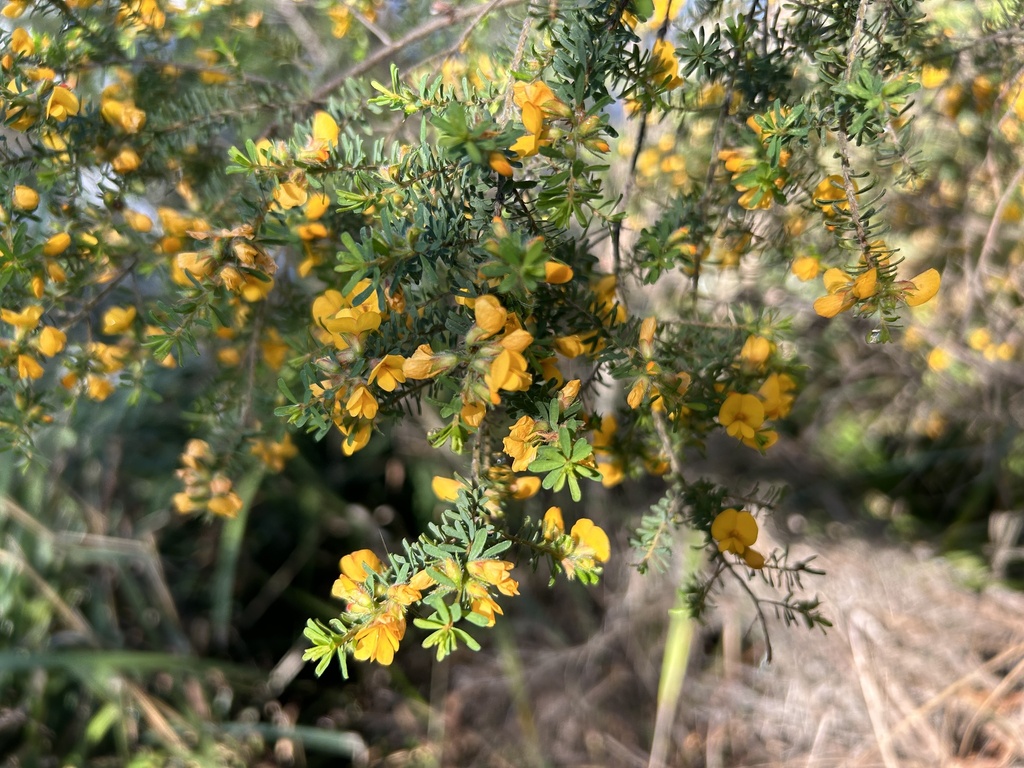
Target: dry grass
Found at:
918, 671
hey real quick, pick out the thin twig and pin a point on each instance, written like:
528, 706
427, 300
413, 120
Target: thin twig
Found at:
517, 58
976, 289
469, 29
383, 54
379, 33
304, 33
844, 143
760, 613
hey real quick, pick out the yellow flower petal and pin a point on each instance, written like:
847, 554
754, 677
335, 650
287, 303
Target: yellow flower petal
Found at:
723, 524
865, 285
352, 564
446, 488
554, 525
830, 306
926, 285
592, 537
835, 279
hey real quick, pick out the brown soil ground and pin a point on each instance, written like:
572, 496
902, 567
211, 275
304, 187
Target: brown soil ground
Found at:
919, 670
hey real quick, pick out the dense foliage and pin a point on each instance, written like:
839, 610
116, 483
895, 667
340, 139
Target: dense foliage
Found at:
571, 261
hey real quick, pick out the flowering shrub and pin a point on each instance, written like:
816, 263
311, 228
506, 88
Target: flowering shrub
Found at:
457, 238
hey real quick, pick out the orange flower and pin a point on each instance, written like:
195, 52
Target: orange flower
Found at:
379, 640
495, 572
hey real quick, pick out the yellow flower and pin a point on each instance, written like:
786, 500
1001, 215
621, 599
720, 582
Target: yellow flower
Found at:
923, 288
637, 392
939, 359
734, 531
550, 372
26, 320
254, 288
355, 564
979, 338
933, 77
361, 403
22, 43
56, 272
99, 388
806, 268
830, 195
57, 244
325, 129
665, 66
762, 440
199, 265
184, 504
290, 195
521, 444
380, 639
570, 346
124, 115
554, 524
51, 340
426, 364
274, 454
29, 367
508, 371
25, 198
127, 160
741, 415
472, 413
109, 356
388, 373
356, 437
844, 291
604, 434
557, 273
755, 352
537, 101
446, 488
490, 315
495, 572
612, 473
567, 395
341, 20
62, 104
665, 10
14, 9
647, 330
482, 604
775, 394
753, 558
500, 164
225, 504
591, 543
524, 487
118, 320
317, 205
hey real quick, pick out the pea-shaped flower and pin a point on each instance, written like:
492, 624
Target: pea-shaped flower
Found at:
741, 415
734, 531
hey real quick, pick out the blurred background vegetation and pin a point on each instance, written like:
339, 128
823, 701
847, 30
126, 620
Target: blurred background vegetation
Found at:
132, 635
